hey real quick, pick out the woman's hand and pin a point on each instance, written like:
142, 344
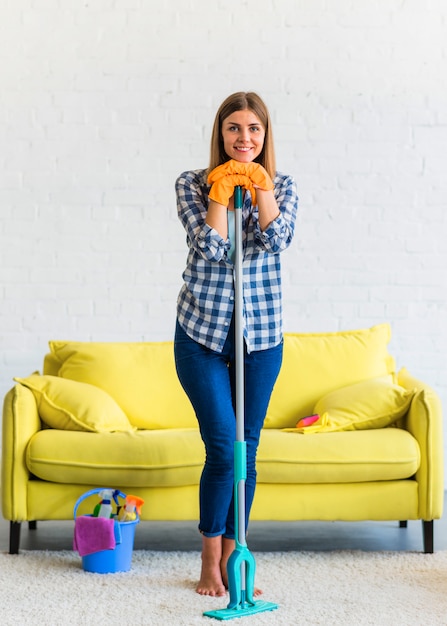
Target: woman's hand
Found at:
222, 188
220, 196
260, 185
256, 174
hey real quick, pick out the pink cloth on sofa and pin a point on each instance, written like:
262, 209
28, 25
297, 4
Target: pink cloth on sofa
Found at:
93, 534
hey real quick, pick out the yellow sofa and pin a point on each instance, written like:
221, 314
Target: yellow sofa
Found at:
114, 415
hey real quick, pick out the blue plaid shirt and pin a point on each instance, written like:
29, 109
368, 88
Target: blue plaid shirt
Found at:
206, 300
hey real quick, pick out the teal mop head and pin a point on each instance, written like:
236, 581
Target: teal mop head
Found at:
257, 607
241, 563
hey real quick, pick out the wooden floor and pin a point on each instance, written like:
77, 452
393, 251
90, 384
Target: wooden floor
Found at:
262, 537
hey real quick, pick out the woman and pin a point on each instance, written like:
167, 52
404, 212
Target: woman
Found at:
242, 153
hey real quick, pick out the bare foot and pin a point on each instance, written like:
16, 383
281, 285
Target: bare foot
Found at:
211, 583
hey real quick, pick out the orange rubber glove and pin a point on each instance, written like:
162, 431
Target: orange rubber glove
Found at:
254, 171
223, 188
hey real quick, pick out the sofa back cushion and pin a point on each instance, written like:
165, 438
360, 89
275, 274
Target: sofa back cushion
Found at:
315, 364
140, 377
66, 404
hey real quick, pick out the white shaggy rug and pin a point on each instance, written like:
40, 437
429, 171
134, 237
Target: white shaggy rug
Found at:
326, 588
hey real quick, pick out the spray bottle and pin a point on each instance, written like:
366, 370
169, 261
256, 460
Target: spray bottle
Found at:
104, 508
132, 507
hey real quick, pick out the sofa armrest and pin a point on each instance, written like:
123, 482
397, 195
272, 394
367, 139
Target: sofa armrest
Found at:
424, 421
20, 422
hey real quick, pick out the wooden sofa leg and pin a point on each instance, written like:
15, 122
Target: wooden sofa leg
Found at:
14, 537
32, 525
403, 524
428, 536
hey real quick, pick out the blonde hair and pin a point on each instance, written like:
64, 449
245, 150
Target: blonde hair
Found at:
242, 101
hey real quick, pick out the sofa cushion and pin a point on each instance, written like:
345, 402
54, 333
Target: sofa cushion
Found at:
167, 458
374, 403
341, 457
69, 405
162, 458
141, 377
316, 363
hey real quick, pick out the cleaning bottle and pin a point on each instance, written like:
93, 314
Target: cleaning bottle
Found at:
104, 508
132, 506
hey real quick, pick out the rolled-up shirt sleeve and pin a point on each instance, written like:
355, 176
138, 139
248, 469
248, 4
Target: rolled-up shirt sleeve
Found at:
211, 245
192, 205
279, 233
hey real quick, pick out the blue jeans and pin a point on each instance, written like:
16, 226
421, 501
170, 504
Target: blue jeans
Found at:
208, 378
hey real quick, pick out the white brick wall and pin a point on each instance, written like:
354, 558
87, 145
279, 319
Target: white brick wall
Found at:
104, 102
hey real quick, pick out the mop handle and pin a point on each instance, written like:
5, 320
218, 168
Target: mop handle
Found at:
239, 315
240, 450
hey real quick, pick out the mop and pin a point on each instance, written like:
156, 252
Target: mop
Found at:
241, 564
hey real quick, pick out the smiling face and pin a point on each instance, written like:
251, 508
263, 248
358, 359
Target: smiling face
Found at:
243, 136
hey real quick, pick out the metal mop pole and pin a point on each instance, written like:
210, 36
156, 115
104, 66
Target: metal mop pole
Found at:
241, 564
240, 447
